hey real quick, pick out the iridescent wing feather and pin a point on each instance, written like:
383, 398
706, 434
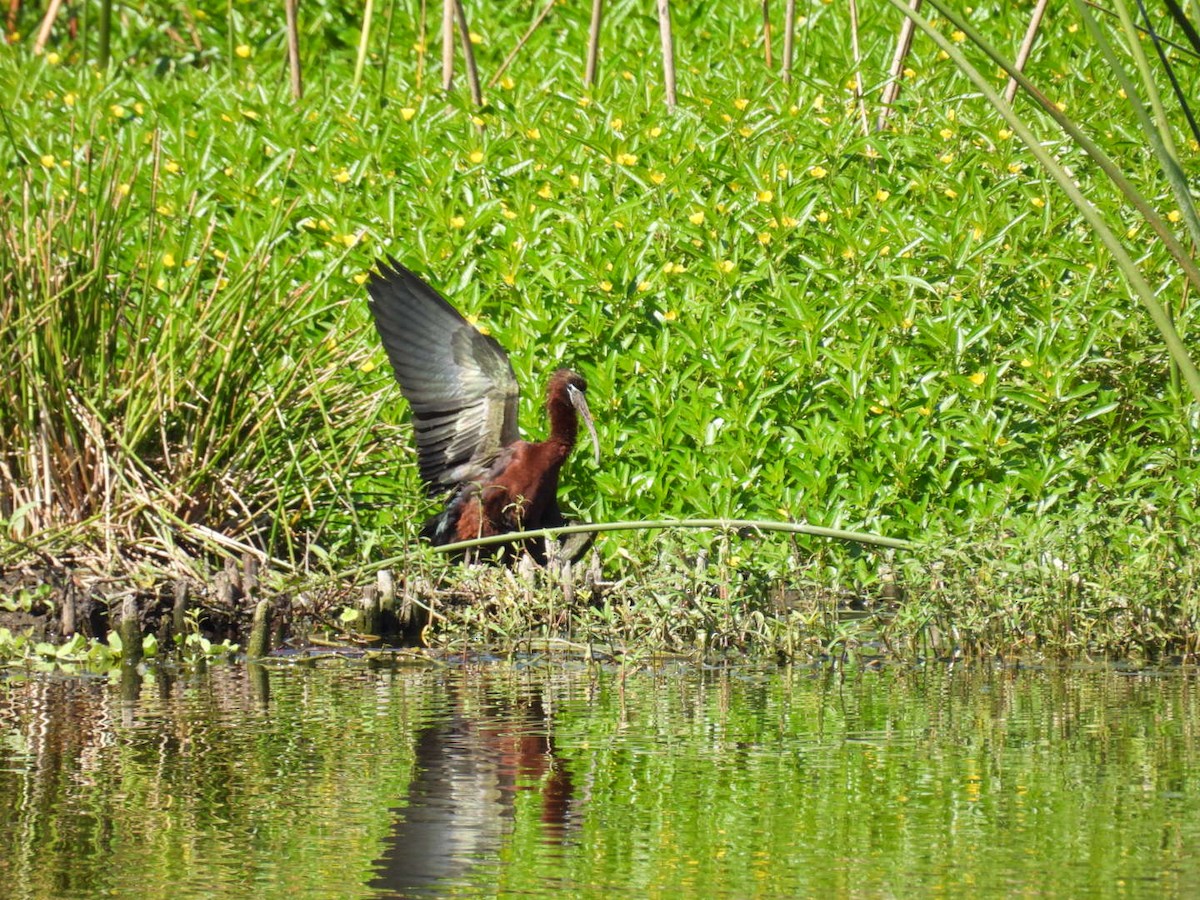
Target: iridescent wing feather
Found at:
459, 382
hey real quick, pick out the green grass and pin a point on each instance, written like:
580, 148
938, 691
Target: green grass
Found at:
911, 333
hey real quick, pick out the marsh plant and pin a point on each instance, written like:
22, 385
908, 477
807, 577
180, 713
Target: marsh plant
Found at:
917, 332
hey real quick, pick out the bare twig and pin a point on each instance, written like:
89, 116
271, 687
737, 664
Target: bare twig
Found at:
364, 40
858, 82
789, 29
293, 33
521, 43
891, 90
668, 48
593, 55
767, 31
1035, 22
43, 35
468, 53
447, 44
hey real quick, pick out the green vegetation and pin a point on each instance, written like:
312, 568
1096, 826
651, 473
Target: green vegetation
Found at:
912, 333
563, 780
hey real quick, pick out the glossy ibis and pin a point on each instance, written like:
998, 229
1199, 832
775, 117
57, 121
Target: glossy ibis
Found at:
463, 395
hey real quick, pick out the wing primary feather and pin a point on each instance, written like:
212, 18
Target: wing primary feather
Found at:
458, 381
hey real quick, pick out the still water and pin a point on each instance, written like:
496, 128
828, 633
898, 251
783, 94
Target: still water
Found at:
560, 779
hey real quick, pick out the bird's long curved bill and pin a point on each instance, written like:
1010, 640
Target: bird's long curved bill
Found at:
579, 401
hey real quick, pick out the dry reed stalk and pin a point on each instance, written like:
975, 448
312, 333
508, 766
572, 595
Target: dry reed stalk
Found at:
521, 43
1035, 22
891, 90
468, 53
293, 33
364, 40
668, 49
766, 6
43, 35
447, 44
858, 83
593, 54
789, 27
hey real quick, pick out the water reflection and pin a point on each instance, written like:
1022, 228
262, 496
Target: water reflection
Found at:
460, 804
484, 781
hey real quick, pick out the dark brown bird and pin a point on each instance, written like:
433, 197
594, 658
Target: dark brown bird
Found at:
463, 395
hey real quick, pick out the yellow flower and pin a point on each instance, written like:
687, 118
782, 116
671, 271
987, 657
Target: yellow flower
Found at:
764, 238
508, 214
1132, 232
171, 166
946, 134
407, 112
361, 278
1038, 202
906, 323
925, 410
655, 131
507, 83
789, 222
477, 121
741, 102
533, 134
910, 73
475, 38
70, 97
341, 176
476, 156
951, 193
627, 75
697, 218
946, 158
545, 192
606, 286
1016, 168
817, 172
1026, 363
117, 111
53, 58
457, 221
1174, 215
47, 161
977, 379
977, 232
765, 196
1004, 134
658, 177
509, 278
822, 217
881, 195
958, 37
367, 366
673, 268
726, 266
644, 286
745, 132
168, 260
123, 190
243, 51
617, 124
626, 159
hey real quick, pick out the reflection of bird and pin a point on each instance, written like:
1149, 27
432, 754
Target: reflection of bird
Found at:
463, 395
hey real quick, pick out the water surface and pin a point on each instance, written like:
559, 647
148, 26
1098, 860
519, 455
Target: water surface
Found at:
550, 779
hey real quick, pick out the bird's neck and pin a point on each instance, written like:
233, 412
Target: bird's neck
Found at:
564, 423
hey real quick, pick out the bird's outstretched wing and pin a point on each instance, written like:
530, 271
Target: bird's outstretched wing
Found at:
459, 382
